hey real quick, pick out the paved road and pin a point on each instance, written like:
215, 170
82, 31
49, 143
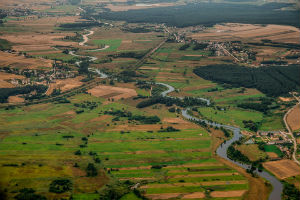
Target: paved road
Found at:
290, 132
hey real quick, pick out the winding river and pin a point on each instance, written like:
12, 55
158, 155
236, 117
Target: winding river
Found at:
222, 149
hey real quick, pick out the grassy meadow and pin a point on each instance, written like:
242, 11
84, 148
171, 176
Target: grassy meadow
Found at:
41, 140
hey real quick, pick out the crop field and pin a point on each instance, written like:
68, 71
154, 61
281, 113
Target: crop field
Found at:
115, 93
293, 118
283, 168
100, 139
183, 158
21, 62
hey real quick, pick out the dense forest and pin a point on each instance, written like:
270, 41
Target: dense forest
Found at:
209, 14
6, 92
273, 81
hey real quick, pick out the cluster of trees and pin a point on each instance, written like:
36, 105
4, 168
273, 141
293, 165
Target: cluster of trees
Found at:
128, 76
115, 191
87, 104
184, 47
76, 38
91, 170
270, 43
60, 186
263, 106
236, 155
196, 46
141, 118
226, 132
143, 85
274, 62
169, 129
6, 92
5, 45
200, 46
145, 119
29, 194
169, 101
74, 2
208, 14
273, 80
80, 25
290, 192
137, 30
84, 67
253, 126
129, 54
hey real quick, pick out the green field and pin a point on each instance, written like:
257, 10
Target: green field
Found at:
273, 148
57, 56
41, 149
112, 43
233, 116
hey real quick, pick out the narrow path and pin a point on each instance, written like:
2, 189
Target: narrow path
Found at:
290, 132
85, 38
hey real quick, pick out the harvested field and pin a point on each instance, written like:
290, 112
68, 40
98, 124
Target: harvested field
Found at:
283, 168
115, 8
272, 155
148, 68
175, 121
235, 31
237, 193
164, 196
194, 195
65, 84
112, 92
15, 99
5, 77
293, 118
286, 99
37, 41
16, 61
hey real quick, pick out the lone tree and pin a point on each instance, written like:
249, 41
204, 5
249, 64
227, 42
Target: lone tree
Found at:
91, 170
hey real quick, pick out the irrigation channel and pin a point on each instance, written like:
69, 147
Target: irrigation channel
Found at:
222, 149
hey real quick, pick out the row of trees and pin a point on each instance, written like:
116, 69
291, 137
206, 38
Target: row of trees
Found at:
169, 101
